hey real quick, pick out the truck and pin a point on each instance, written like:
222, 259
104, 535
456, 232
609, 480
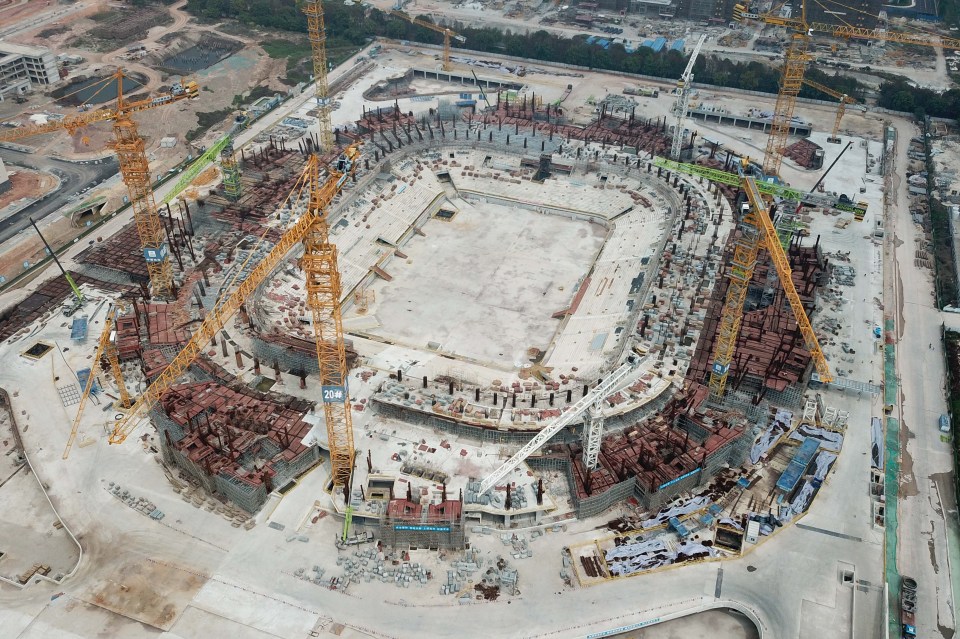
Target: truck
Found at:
908, 607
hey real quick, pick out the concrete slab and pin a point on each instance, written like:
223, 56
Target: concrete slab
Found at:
485, 284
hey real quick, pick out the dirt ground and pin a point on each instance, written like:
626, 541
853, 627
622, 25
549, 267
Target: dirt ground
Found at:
25, 183
12, 11
239, 73
149, 591
29, 248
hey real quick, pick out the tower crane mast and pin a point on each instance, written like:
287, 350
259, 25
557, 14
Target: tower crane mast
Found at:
321, 197
323, 298
447, 34
683, 100
795, 62
134, 168
316, 32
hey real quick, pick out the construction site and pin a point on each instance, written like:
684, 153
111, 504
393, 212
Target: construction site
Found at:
440, 314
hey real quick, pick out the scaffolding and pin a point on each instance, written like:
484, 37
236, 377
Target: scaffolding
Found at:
411, 525
231, 173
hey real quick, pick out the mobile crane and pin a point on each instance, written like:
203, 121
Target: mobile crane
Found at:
841, 107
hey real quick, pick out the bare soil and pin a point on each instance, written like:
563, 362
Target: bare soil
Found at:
25, 183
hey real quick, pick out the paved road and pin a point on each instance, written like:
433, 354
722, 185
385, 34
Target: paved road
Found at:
31, 23
927, 506
74, 177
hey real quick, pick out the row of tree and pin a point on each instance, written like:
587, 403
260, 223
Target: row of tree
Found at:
355, 24
900, 96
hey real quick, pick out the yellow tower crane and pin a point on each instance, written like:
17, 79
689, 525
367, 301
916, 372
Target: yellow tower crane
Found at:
134, 168
317, 33
795, 62
321, 196
841, 108
106, 347
323, 297
755, 227
447, 34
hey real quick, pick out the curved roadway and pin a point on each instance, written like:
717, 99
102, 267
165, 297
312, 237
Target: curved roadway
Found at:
74, 178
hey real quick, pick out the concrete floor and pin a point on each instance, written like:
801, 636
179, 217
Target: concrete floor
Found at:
485, 284
27, 534
719, 624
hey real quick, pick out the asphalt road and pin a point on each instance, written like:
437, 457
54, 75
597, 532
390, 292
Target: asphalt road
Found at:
928, 533
74, 177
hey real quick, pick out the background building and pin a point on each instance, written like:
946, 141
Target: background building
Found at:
864, 14
4, 178
22, 67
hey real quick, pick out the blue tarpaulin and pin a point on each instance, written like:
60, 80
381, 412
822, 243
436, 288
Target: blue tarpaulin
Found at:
82, 376
798, 465
78, 330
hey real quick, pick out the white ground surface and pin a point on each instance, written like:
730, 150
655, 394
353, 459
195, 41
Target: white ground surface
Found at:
485, 284
27, 532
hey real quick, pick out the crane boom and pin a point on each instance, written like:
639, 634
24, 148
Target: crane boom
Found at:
842, 203
94, 366
447, 34
742, 13
196, 168
217, 318
782, 264
72, 123
843, 97
796, 58
683, 99
755, 228
605, 388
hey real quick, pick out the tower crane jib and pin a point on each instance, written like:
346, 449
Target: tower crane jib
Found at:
683, 100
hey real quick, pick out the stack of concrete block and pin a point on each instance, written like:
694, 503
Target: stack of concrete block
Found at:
140, 504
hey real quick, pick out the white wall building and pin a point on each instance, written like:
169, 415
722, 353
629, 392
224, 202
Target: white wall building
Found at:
22, 67
4, 178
